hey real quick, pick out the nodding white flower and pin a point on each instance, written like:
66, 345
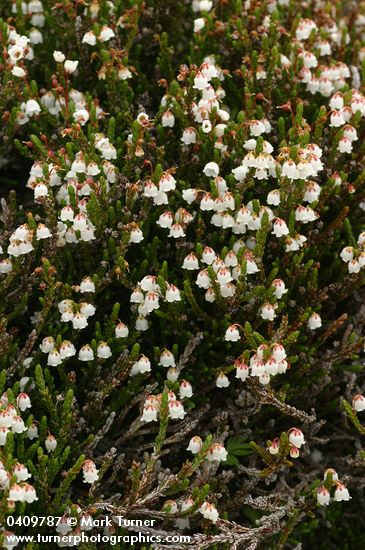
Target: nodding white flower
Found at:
230, 259
227, 290
354, 266
209, 70
208, 255
42, 232
323, 496
121, 330
278, 352
358, 403
23, 401
172, 374
67, 213
257, 127
341, 493
81, 116
358, 105
32, 107
279, 287
314, 321
149, 283
58, 56
80, 221
87, 309
257, 368
168, 119
200, 81
240, 172
3, 434
6, 266
296, 437
32, 431
6, 419
136, 235
40, 190
207, 202
86, 353
54, 358
106, 34
90, 472
70, 66
144, 364
195, 444
185, 389
150, 189
176, 231
87, 285
282, 366
199, 24
289, 170
21, 472
165, 220
242, 370
167, 359
171, 396
47, 344
268, 312
280, 228
78, 166
89, 38
67, 349
191, 262
189, 136
344, 145
172, 294
224, 275
336, 101
149, 413
50, 443
350, 132
176, 409
16, 493
271, 367
103, 351
211, 170
190, 195
67, 315
274, 447
309, 59
232, 334
64, 527
79, 321
336, 119
294, 451
151, 302
203, 279
210, 295
273, 197
209, 511
222, 381
217, 452
312, 192
361, 259
29, 493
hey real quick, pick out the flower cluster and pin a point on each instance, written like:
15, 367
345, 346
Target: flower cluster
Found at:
323, 492
296, 440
